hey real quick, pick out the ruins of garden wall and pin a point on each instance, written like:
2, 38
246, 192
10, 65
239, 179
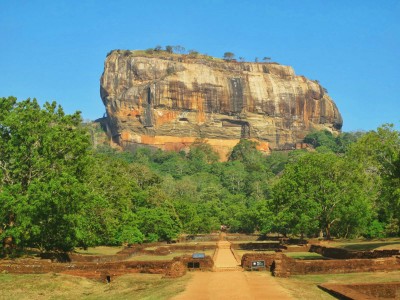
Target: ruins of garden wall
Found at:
339, 253
248, 258
363, 291
172, 268
284, 266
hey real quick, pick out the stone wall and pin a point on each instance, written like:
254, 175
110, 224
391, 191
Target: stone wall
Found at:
339, 253
170, 268
248, 258
364, 291
284, 266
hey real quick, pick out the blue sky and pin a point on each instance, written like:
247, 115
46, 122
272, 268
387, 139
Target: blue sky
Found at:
55, 49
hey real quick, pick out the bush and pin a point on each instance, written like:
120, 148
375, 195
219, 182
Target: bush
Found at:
375, 230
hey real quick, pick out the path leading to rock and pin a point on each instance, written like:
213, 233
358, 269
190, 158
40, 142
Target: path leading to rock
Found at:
234, 285
230, 282
225, 259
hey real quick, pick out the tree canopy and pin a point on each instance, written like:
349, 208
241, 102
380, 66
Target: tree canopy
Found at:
59, 191
43, 159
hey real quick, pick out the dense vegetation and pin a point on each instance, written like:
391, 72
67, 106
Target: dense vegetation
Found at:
58, 191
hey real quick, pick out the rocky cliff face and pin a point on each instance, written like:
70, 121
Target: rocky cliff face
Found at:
168, 101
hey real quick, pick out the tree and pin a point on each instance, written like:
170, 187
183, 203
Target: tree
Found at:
246, 152
193, 53
378, 152
234, 177
266, 59
157, 48
322, 138
201, 156
169, 49
44, 155
179, 49
157, 224
322, 191
115, 199
229, 56
325, 140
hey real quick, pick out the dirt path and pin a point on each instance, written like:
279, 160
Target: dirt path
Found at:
225, 258
228, 282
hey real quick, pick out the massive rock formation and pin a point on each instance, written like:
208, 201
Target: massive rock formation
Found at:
169, 101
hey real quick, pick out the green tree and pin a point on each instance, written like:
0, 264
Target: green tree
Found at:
266, 59
229, 56
179, 49
378, 151
157, 224
193, 53
318, 191
323, 138
246, 151
44, 155
169, 49
116, 199
201, 156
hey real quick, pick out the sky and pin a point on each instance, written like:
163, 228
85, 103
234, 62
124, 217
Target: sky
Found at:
54, 50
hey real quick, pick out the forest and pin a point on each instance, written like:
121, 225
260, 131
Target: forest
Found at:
59, 191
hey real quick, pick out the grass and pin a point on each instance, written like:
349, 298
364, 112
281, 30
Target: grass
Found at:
366, 245
163, 53
304, 255
60, 286
182, 244
100, 250
169, 256
305, 286
240, 253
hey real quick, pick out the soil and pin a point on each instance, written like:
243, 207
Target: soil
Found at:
230, 282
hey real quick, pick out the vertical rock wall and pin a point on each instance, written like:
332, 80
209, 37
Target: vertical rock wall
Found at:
169, 101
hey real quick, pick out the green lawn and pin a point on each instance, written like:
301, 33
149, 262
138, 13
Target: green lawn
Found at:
304, 255
100, 250
366, 245
305, 286
60, 286
170, 256
240, 253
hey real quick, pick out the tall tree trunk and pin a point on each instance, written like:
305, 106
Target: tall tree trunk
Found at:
328, 231
8, 241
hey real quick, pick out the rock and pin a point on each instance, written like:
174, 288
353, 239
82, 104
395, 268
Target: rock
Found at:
169, 101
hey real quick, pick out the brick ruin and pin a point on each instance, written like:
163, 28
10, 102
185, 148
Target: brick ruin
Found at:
335, 261
104, 267
363, 291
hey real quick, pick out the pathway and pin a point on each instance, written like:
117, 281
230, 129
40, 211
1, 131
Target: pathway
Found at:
233, 285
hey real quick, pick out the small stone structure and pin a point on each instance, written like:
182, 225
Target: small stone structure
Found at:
248, 258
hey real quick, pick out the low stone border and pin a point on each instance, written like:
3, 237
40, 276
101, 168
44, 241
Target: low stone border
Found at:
100, 270
363, 291
284, 266
339, 253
